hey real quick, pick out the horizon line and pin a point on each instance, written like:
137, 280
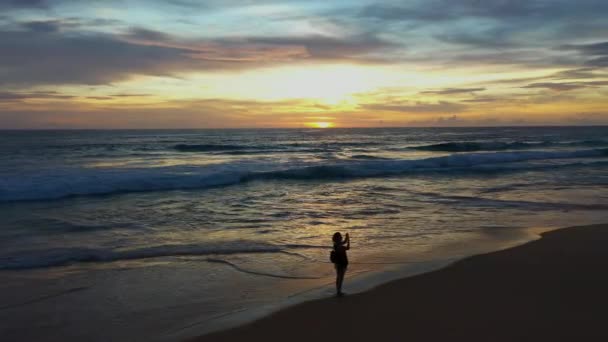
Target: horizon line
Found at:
294, 128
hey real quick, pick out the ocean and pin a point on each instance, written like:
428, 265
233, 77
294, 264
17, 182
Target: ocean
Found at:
164, 234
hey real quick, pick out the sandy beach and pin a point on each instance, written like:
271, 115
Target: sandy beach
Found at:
551, 289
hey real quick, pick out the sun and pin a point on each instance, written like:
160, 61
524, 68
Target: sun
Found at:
320, 124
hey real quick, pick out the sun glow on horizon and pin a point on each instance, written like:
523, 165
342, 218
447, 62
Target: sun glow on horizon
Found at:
320, 124
330, 84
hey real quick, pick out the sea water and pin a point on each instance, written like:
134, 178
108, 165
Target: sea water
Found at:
164, 234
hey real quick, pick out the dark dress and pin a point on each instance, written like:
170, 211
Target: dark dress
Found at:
341, 258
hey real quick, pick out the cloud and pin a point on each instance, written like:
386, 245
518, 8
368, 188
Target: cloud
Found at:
442, 10
448, 120
513, 32
38, 95
43, 26
357, 47
418, 107
554, 86
147, 35
566, 85
578, 73
598, 62
23, 4
494, 37
595, 49
45, 54
44, 42
360, 47
130, 95
450, 91
597, 53
34, 57
483, 100
564, 75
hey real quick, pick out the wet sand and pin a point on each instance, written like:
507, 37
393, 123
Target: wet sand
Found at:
551, 289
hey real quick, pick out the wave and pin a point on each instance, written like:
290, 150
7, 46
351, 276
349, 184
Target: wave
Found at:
97, 181
66, 256
336, 144
472, 146
265, 274
492, 202
289, 147
449, 163
210, 147
269, 151
367, 156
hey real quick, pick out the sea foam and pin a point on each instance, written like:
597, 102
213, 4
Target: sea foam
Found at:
66, 182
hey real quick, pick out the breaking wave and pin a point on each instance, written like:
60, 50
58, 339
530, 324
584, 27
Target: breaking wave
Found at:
65, 256
256, 148
211, 147
472, 146
97, 181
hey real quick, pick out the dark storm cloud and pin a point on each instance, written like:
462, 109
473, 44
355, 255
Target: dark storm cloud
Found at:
449, 91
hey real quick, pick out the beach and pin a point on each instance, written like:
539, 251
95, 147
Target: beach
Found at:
551, 289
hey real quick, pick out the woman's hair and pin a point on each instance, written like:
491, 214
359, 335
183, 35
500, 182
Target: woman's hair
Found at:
337, 238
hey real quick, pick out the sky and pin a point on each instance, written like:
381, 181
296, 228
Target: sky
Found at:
302, 63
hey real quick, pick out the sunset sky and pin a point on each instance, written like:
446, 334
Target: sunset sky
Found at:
354, 63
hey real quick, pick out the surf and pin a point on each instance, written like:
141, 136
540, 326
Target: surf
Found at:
103, 181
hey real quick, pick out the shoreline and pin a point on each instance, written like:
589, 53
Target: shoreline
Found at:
521, 291
360, 281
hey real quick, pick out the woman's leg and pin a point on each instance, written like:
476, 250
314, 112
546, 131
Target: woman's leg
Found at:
340, 271
338, 279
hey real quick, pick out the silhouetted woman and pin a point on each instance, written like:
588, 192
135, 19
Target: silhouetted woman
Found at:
340, 259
